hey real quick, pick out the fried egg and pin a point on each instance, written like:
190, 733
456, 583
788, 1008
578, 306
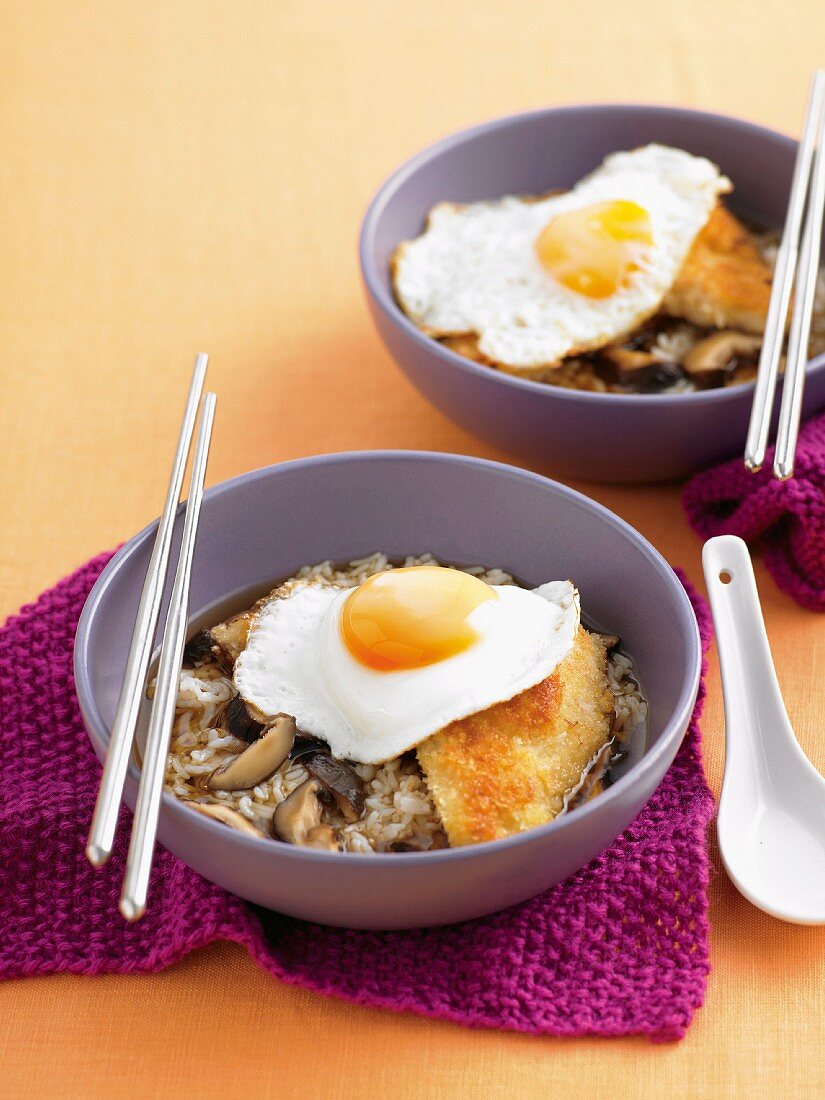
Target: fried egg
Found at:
375, 670
540, 280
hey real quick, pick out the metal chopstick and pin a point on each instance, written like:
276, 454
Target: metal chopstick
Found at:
790, 411
144, 829
104, 821
786, 260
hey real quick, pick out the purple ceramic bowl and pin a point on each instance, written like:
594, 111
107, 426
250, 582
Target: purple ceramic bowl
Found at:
267, 523
602, 437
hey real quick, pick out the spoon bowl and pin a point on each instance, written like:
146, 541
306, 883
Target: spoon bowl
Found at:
771, 821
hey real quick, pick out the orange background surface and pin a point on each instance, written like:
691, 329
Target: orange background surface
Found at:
184, 175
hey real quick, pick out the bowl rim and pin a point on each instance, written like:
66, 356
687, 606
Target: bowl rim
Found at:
378, 291
98, 732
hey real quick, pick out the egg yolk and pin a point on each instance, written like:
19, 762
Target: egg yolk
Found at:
594, 249
409, 618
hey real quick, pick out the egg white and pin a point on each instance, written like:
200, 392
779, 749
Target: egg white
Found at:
295, 662
475, 269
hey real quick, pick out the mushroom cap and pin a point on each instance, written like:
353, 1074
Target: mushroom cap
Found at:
342, 782
258, 761
299, 813
714, 352
239, 720
322, 837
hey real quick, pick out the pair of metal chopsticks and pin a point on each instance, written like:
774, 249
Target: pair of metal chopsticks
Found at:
797, 263
144, 828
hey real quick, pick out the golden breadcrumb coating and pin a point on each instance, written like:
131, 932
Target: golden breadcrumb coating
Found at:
724, 282
508, 768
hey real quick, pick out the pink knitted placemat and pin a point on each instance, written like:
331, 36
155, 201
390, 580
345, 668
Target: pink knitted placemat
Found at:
620, 948
786, 517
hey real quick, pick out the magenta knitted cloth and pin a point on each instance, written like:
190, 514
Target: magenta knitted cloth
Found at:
620, 948
787, 516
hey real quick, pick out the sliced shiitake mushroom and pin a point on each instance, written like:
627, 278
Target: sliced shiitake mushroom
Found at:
323, 837
299, 814
658, 378
237, 718
643, 371
258, 761
714, 354
629, 359
227, 816
199, 648
306, 746
340, 780
591, 779
221, 643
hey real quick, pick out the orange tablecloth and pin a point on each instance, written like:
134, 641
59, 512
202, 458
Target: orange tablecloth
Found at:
178, 176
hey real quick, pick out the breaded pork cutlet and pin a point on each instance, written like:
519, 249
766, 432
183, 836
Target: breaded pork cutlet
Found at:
725, 281
508, 768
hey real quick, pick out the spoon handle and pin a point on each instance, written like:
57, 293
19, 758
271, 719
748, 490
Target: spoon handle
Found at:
758, 734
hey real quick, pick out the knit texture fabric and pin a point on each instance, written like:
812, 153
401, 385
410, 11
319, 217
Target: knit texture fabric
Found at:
787, 516
620, 948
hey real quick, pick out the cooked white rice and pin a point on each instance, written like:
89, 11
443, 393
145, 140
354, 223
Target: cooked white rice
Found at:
399, 811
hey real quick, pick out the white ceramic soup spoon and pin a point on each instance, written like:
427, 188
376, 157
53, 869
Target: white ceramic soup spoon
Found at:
771, 820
